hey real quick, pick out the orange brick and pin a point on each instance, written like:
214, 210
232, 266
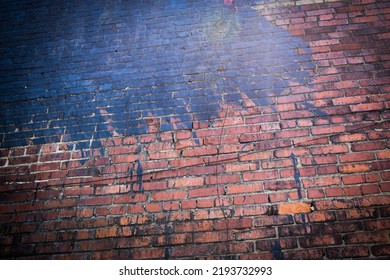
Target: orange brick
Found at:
293, 208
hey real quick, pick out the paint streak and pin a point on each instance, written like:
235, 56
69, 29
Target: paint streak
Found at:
131, 170
296, 175
303, 217
299, 187
276, 250
36, 193
168, 230
140, 171
195, 138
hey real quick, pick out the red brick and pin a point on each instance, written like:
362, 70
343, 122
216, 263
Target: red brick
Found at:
153, 207
280, 185
354, 168
262, 119
238, 167
323, 170
187, 182
203, 192
186, 144
277, 164
152, 186
320, 182
315, 217
346, 84
368, 146
364, 19
375, 135
126, 198
347, 252
206, 203
222, 179
327, 130
183, 134
366, 107
273, 220
366, 237
354, 157
374, 201
215, 236
256, 234
315, 194
154, 253
199, 151
176, 195
164, 155
381, 250
268, 245
332, 192
96, 200
370, 189
321, 240
242, 223
106, 232
251, 188
353, 179
383, 154
278, 197
345, 47
134, 242
296, 115
268, 145
319, 160
335, 149
205, 170
381, 165
251, 199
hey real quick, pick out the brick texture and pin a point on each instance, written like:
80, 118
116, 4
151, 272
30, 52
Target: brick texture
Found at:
194, 129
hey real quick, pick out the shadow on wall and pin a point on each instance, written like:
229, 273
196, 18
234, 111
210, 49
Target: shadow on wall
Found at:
132, 60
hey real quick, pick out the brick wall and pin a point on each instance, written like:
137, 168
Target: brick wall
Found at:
195, 129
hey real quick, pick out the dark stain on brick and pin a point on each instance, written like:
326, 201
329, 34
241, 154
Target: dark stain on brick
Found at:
299, 189
276, 250
168, 230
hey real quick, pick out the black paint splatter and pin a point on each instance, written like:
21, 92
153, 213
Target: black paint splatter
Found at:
36, 193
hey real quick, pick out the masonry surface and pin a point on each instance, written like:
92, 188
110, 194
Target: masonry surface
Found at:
202, 129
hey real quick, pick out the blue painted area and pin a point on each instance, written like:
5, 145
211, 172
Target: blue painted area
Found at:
62, 63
